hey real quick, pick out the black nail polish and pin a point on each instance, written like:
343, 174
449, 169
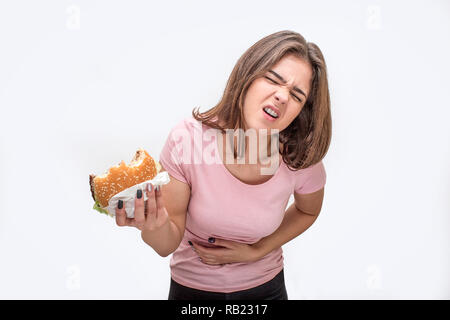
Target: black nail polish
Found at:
190, 243
139, 193
120, 204
211, 240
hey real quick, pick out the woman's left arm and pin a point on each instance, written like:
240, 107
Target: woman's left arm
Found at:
294, 223
298, 217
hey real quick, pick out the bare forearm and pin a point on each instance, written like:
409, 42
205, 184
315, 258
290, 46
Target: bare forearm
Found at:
164, 240
294, 223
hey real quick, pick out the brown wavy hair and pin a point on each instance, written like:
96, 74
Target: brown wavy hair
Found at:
306, 140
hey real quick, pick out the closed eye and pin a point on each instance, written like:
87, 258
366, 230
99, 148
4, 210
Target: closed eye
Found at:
273, 81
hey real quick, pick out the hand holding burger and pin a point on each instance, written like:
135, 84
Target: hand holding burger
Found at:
121, 179
148, 215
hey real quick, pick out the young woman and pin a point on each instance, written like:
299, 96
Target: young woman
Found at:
225, 222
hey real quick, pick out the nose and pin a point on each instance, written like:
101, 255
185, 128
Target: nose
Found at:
282, 95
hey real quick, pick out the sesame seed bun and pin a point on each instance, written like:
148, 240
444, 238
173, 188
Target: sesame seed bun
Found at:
122, 176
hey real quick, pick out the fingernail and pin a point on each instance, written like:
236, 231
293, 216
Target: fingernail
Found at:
120, 204
211, 240
139, 193
149, 187
190, 243
158, 187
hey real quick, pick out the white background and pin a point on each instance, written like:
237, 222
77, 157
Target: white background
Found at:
84, 83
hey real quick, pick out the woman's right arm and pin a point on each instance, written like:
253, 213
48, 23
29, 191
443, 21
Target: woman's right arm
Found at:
162, 218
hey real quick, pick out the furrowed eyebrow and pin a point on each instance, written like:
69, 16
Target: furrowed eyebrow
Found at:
284, 81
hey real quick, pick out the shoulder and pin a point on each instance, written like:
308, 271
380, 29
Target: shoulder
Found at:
184, 127
309, 189
188, 123
310, 179
317, 168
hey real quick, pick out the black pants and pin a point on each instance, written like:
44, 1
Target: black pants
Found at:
274, 289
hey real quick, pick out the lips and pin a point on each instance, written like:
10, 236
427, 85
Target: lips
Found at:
277, 111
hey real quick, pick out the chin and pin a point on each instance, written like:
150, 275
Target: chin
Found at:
258, 124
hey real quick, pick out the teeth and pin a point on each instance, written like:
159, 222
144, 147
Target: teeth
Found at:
271, 112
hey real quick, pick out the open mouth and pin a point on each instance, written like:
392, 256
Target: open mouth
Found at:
270, 113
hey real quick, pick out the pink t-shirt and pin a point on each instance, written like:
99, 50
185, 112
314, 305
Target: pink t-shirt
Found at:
223, 207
